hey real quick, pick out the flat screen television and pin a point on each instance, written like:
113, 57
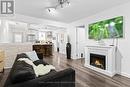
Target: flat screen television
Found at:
111, 28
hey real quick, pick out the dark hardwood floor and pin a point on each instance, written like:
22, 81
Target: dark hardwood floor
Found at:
84, 76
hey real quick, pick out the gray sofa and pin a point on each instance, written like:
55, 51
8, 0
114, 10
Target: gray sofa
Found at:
22, 75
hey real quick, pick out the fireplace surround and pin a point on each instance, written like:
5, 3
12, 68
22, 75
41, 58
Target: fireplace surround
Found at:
101, 59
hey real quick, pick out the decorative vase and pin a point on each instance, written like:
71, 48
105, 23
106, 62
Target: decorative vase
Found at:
68, 50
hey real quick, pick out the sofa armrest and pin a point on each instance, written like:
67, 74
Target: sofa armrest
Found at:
64, 78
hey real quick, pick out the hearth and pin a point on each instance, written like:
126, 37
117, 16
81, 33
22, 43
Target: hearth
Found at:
98, 61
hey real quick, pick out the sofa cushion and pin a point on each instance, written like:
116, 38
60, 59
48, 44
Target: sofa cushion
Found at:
22, 72
22, 55
37, 62
50, 73
26, 60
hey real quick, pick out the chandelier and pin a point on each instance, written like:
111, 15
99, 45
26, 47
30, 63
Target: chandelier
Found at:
60, 4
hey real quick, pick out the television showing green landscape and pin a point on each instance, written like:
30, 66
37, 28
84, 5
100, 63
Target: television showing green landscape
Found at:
111, 28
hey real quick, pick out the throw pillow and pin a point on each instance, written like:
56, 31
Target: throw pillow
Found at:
32, 55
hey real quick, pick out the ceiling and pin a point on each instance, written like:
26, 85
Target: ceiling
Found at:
78, 9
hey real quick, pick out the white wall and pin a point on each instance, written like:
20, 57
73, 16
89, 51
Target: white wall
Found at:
123, 44
72, 35
4, 32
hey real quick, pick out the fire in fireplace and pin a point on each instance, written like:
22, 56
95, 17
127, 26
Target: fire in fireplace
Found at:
98, 61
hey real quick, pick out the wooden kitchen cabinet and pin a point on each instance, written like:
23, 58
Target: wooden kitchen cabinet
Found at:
43, 49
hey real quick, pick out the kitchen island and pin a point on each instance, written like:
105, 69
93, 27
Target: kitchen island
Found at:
43, 50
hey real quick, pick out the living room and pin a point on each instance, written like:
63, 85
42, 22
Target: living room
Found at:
48, 26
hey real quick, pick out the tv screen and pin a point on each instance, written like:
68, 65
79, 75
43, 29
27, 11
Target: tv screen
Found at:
111, 28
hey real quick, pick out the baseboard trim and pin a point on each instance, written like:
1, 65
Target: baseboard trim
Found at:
125, 74
76, 58
7, 67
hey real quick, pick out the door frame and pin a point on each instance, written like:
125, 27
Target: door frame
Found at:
77, 27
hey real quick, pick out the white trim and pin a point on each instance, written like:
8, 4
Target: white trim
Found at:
7, 67
125, 74
75, 57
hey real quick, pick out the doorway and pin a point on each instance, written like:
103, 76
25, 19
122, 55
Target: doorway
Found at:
80, 41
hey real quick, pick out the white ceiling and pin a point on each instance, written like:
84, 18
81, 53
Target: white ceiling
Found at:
77, 10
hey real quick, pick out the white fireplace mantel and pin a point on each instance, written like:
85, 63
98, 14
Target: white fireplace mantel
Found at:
109, 52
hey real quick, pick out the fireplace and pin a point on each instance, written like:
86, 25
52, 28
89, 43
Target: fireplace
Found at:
98, 61
101, 59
